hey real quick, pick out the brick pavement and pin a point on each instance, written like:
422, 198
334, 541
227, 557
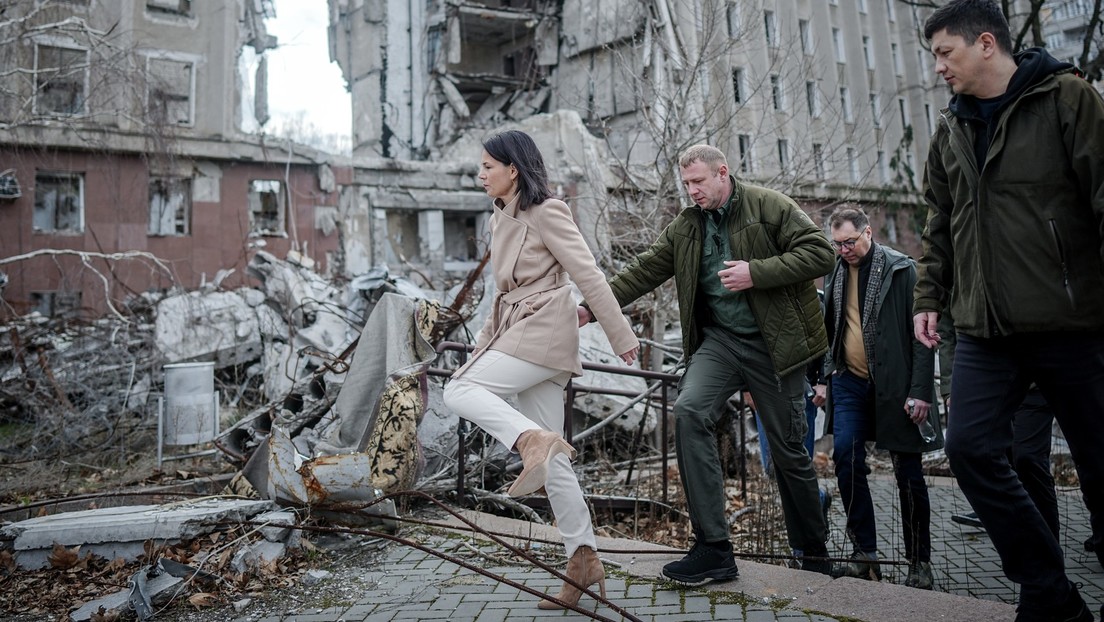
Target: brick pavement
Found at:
411, 585
963, 558
419, 586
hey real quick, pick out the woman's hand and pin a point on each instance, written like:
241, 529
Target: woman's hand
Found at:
630, 356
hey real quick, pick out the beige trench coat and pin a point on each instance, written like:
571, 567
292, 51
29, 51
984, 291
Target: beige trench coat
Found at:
534, 254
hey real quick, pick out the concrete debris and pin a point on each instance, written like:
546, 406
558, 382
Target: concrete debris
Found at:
123, 531
148, 588
240, 605
279, 524
218, 326
314, 577
154, 591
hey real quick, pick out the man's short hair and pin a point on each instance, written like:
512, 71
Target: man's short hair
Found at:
709, 154
848, 213
968, 19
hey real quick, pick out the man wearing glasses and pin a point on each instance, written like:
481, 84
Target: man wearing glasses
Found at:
881, 386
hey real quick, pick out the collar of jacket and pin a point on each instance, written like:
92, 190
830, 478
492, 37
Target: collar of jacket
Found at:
509, 208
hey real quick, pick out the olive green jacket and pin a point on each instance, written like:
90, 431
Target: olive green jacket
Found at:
785, 250
1018, 238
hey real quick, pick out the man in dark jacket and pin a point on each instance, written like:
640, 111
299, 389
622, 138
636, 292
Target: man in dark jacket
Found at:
881, 386
744, 259
1015, 188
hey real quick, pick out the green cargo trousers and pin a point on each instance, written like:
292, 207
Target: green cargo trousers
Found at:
726, 363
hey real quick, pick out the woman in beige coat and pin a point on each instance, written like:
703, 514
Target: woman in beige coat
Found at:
529, 346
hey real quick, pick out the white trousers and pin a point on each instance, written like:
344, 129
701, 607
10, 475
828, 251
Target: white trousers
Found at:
477, 395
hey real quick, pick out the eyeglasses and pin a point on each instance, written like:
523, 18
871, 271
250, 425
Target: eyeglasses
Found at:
846, 244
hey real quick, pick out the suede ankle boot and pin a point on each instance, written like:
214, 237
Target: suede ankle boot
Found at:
583, 568
537, 448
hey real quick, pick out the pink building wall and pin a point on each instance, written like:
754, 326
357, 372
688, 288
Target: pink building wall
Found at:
116, 219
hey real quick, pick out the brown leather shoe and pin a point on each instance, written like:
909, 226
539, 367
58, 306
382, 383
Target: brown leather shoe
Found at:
584, 568
537, 448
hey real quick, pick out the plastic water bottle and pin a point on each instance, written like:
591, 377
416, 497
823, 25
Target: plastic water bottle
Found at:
927, 431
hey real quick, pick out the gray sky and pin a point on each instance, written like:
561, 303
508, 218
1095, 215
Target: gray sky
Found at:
300, 74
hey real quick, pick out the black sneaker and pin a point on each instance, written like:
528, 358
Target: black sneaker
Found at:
969, 519
811, 564
1072, 609
862, 566
706, 561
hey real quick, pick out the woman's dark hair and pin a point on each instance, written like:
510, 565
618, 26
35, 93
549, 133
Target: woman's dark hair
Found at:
518, 148
968, 19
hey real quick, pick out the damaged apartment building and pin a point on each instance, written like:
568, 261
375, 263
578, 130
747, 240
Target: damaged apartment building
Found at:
827, 100
123, 161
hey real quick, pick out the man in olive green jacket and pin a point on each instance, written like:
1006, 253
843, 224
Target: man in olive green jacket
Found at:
744, 259
1015, 190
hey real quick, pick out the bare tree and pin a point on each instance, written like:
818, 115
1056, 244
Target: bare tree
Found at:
1029, 20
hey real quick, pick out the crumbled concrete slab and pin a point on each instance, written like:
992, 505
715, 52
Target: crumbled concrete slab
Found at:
279, 525
155, 587
120, 531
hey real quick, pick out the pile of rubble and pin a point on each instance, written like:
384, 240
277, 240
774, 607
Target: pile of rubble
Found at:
332, 406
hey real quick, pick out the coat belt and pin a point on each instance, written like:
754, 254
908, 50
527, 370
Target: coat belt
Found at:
550, 282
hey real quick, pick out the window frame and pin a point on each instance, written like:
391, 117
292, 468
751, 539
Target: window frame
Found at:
182, 227
152, 80
747, 153
770, 28
282, 203
812, 98
40, 178
838, 46
85, 81
156, 7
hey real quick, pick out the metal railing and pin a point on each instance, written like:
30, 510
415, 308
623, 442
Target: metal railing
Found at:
662, 381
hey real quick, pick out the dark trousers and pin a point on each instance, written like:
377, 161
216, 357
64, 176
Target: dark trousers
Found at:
853, 424
991, 379
726, 363
1031, 441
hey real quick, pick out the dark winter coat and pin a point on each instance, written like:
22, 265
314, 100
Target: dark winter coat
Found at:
1018, 236
902, 366
785, 250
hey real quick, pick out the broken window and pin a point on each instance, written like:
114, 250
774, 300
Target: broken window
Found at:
172, 7
267, 201
61, 78
461, 237
170, 203
170, 90
402, 233
59, 203
57, 303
